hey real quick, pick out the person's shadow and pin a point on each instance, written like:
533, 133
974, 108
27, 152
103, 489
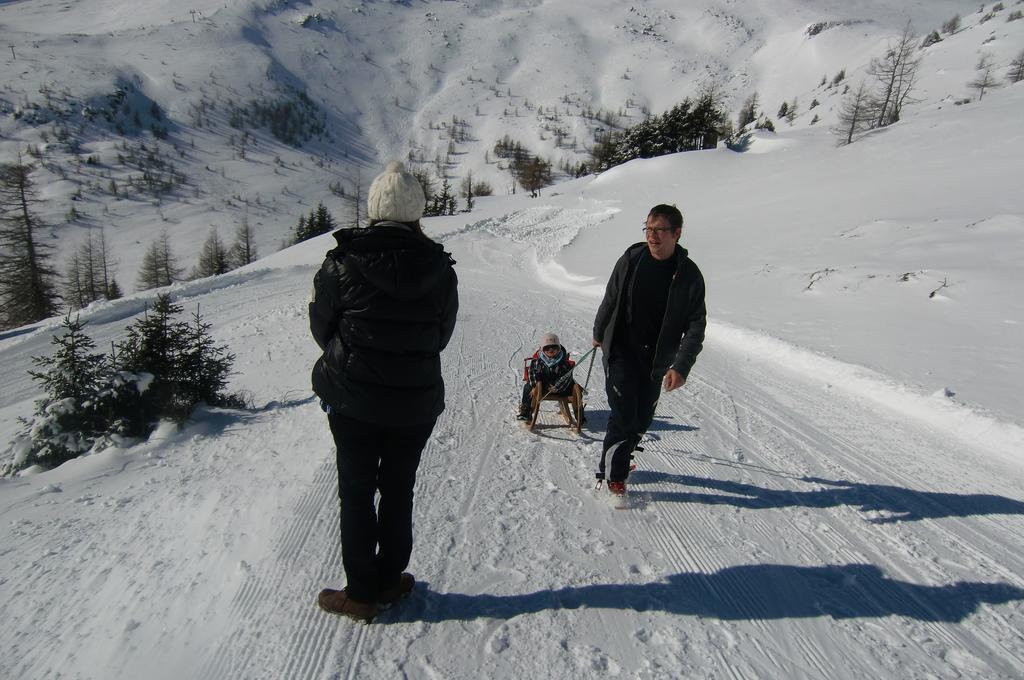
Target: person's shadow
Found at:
597, 422
902, 504
764, 591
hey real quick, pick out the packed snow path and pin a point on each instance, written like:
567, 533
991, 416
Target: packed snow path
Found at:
778, 526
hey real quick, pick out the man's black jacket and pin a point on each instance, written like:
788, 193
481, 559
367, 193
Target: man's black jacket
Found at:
682, 329
383, 308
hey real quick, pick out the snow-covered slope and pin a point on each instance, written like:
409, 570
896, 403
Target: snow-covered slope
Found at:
386, 79
792, 515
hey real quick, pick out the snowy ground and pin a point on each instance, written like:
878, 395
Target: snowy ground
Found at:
785, 521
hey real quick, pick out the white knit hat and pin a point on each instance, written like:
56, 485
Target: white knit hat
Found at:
549, 339
395, 195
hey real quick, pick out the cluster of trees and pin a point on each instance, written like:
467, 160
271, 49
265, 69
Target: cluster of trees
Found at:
160, 265
439, 202
320, 221
894, 75
159, 175
444, 200
880, 104
470, 189
751, 115
162, 368
291, 120
531, 172
89, 274
215, 258
985, 77
30, 288
688, 126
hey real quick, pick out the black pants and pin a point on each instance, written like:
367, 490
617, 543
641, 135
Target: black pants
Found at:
632, 397
376, 542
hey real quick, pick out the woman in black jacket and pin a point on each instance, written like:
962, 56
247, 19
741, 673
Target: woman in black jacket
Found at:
384, 306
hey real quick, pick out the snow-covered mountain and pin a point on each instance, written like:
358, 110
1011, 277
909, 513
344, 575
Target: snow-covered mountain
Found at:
361, 82
835, 492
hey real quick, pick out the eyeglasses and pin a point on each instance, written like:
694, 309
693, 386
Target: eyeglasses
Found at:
654, 231
551, 348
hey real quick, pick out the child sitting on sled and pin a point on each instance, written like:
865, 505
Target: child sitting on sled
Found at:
550, 366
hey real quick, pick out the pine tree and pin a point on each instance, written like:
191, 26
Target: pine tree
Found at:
443, 203
985, 79
155, 345
114, 291
74, 290
855, 115
105, 274
88, 274
74, 370
896, 76
324, 220
159, 265
27, 279
748, 112
69, 418
466, 189
534, 175
213, 258
243, 250
301, 230
205, 366
1016, 72
426, 181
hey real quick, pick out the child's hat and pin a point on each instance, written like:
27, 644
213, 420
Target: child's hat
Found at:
549, 339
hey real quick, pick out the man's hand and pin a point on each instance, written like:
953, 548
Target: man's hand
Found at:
595, 343
673, 379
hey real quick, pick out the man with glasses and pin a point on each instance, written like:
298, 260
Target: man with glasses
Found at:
650, 328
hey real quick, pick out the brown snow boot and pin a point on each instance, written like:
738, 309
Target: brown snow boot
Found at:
338, 602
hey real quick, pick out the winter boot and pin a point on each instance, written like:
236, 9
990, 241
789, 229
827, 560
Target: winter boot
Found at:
617, 488
338, 602
525, 413
400, 590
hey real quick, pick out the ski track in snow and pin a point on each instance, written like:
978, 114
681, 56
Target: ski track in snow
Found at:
774, 529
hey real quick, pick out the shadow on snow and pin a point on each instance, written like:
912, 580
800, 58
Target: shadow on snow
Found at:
905, 504
766, 592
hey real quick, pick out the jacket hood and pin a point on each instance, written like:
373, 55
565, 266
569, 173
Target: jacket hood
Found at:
391, 257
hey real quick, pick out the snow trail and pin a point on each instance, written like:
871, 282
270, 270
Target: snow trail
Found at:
778, 527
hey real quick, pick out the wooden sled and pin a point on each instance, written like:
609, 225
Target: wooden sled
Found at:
570, 406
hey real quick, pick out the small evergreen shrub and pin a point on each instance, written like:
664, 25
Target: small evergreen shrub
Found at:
163, 368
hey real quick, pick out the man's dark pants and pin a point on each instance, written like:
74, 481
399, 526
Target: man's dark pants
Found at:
376, 542
632, 397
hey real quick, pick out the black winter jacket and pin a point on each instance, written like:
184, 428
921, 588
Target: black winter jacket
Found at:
682, 329
383, 308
